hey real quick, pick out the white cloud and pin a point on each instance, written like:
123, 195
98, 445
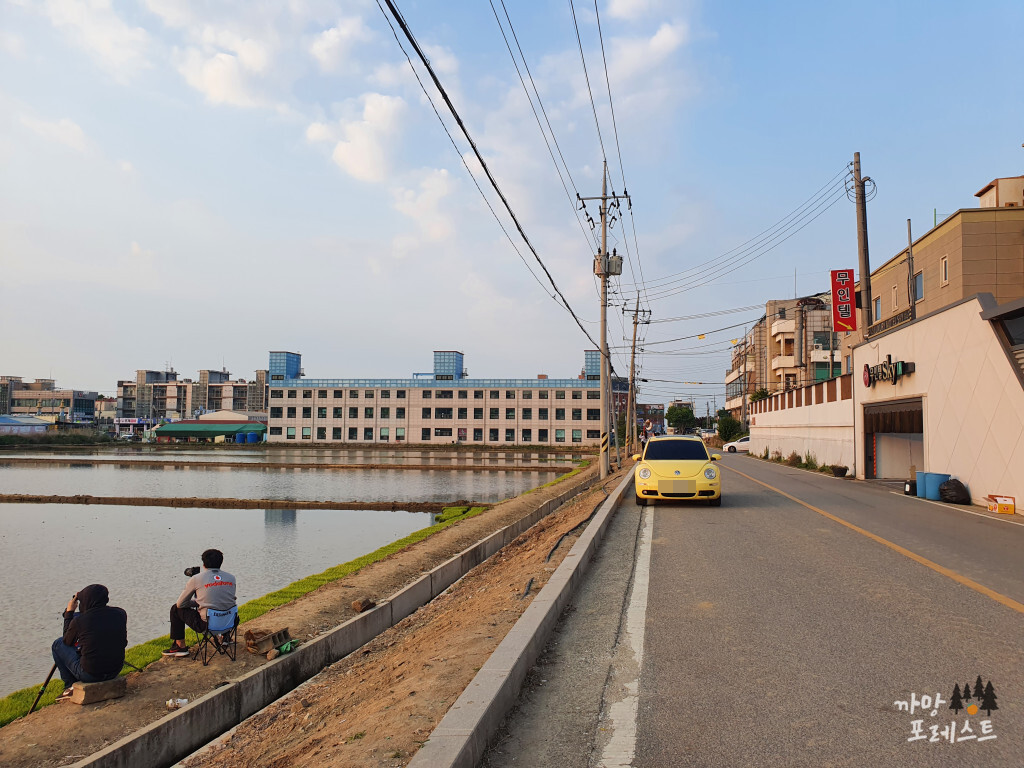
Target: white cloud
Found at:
96, 27
220, 77
630, 10
633, 58
333, 47
12, 45
63, 131
125, 166
424, 205
363, 146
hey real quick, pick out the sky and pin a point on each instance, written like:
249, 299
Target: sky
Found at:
194, 184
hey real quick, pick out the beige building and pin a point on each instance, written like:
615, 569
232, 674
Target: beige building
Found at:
41, 398
159, 395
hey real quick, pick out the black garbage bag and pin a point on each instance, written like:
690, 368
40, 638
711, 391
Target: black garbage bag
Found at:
954, 492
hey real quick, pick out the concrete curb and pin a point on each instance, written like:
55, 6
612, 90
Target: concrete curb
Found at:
460, 739
179, 734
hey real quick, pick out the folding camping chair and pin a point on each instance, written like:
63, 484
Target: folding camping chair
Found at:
220, 635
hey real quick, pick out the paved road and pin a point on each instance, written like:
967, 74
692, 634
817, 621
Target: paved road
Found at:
774, 635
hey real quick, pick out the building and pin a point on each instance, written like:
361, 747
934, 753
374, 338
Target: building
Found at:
41, 398
105, 412
655, 413
156, 396
440, 407
22, 425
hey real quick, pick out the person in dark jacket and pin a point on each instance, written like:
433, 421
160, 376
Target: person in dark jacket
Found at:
92, 648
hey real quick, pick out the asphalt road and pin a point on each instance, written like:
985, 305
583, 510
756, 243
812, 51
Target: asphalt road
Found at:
774, 635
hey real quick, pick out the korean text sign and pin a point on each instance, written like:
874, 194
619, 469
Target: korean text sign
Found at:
844, 303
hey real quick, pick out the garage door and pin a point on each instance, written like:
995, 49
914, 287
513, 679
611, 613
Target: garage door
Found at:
894, 438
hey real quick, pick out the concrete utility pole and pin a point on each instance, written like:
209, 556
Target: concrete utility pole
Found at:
862, 246
911, 286
631, 407
604, 267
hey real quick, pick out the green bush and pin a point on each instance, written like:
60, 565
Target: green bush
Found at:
793, 459
777, 456
729, 428
810, 462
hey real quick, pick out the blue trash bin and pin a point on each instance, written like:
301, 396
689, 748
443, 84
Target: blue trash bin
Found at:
932, 481
239, 438
252, 437
920, 484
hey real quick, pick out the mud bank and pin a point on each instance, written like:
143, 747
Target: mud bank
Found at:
192, 501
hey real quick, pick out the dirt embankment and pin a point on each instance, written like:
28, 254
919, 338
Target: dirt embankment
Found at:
192, 501
374, 707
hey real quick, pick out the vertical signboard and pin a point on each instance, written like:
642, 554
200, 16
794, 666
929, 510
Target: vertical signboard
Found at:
844, 309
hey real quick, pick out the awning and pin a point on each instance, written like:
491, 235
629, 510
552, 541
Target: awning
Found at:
200, 429
905, 416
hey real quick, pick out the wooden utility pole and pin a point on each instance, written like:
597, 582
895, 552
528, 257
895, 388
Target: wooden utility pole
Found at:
862, 246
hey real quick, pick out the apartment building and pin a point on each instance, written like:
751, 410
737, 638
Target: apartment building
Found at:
156, 396
440, 407
41, 398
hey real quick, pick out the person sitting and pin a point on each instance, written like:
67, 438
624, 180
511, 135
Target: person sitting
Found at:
211, 588
92, 648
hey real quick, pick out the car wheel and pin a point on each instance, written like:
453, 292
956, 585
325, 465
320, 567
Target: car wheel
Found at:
732, 449
715, 502
641, 501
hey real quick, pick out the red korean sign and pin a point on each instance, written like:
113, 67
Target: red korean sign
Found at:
844, 302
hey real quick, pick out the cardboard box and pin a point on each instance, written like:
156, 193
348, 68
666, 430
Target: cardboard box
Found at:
1002, 504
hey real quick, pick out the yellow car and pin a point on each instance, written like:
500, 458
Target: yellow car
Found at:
677, 467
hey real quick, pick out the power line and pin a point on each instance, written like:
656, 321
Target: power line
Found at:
604, 155
483, 164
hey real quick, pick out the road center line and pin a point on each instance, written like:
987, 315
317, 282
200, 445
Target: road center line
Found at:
1009, 602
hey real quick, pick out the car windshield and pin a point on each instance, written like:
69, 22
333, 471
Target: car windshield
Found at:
676, 450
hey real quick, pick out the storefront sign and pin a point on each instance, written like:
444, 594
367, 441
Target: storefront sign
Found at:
890, 370
890, 322
844, 314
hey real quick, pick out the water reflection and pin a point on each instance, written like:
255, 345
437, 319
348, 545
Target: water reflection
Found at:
278, 517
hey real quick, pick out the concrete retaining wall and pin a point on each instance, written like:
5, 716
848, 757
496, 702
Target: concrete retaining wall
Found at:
460, 739
181, 733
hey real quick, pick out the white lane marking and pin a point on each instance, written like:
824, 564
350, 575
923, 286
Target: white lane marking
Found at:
621, 720
961, 509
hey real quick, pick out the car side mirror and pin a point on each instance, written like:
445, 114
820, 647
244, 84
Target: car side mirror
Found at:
636, 457
716, 456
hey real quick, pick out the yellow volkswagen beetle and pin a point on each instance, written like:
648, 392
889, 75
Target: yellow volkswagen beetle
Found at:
677, 467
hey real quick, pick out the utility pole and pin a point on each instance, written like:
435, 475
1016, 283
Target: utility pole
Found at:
862, 246
605, 266
631, 406
911, 286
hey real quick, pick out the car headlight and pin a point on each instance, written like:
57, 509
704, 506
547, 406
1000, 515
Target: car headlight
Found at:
710, 473
644, 473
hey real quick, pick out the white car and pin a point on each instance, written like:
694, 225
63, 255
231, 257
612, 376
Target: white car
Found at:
742, 445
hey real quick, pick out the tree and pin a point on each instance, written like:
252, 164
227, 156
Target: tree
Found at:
729, 428
680, 418
759, 394
988, 701
967, 691
955, 702
979, 689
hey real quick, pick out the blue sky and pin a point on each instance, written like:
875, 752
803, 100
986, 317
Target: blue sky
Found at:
196, 183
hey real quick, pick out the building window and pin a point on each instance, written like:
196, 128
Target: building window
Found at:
542, 394
510, 413
400, 394
425, 433
493, 394
559, 394
492, 435
307, 394
321, 413
275, 430
577, 414
277, 394
442, 413
593, 394
895, 298
492, 413
463, 413
577, 435
399, 434
463, 394
385, 394
399, 413
478, 394
944, 271
593, 434
368, 394
510, 394
385, 413
527, 435
593, 414
478, 413
877, 310
559, 414
542, 414
367, 433
427, 394
542, 435
385, 434
444, 394
307, 433
353, 393
918, 286
339, 394
291, 433
368, 413
353, 433
559, 435
337, 412
276, 413
321, 394
353, 413
292, 394
527, 413
478, 435
577, 394
425, 413
510, 435
291, 412
443, 432
849, 365
527, 394
321, 433
336, 433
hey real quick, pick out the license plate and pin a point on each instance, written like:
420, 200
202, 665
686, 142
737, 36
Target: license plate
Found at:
676, 486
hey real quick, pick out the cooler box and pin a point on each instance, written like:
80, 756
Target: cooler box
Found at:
1001, 504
